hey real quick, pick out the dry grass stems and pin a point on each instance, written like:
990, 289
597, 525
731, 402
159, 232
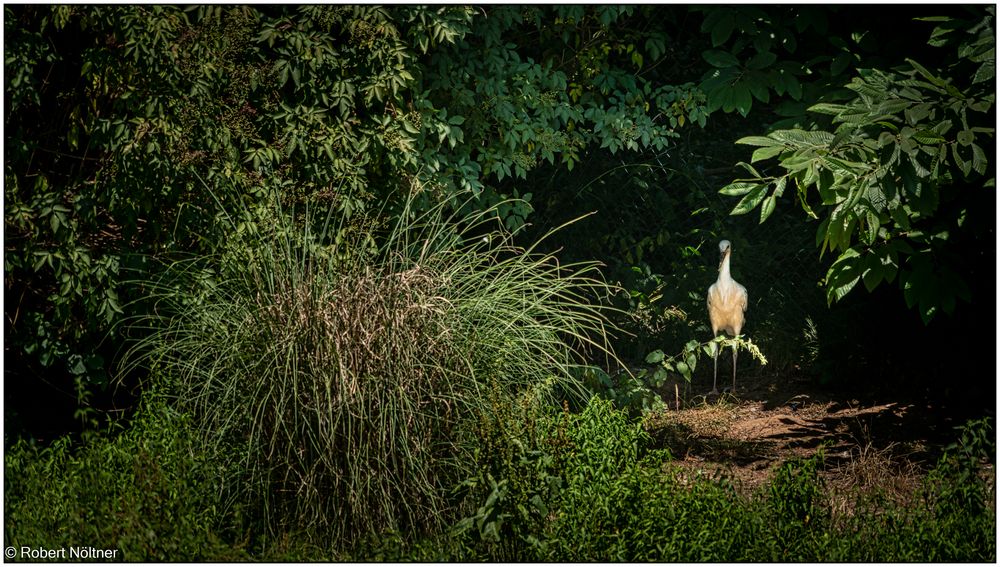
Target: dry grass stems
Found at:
339, 381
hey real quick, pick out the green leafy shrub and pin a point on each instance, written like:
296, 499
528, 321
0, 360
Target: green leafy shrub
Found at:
795, 507
586, 487
959, 496
899, 174
572, 487
343, 379
788, 53
117, 111
518, 450
635, 392
549, 481
600, 494
640, 391
142, 490
677, 517
601, 488
951, 519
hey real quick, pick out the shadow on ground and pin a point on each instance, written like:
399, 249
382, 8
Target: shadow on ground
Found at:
775, 417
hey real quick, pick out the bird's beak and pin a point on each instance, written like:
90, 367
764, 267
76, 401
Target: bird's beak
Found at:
723, 258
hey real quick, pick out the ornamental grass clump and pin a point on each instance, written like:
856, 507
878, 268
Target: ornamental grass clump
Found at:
339, 373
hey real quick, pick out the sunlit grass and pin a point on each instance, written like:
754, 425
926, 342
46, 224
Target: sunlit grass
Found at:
338, 375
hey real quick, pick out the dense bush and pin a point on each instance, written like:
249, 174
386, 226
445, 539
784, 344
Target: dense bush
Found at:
900, 165
143, 490
118, 112
587, 487
560, 487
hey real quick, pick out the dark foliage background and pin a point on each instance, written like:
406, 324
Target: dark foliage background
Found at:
845, 151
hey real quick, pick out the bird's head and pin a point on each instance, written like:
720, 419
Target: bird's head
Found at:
724, 248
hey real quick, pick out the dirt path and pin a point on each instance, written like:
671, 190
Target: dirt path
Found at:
777, 417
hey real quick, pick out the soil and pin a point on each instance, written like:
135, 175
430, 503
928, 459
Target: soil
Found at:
869, 440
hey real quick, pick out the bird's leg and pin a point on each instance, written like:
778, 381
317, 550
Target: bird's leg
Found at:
736, 351
715, 376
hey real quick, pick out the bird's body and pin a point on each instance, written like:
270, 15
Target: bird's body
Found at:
727, 304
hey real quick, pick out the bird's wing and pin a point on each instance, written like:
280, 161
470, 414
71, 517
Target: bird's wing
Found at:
743, 298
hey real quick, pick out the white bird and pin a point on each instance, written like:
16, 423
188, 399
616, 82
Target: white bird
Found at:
727, 302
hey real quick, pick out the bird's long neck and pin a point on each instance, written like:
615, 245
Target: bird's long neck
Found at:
724, 267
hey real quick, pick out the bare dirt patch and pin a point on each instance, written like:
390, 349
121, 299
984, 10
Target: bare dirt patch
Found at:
869, 443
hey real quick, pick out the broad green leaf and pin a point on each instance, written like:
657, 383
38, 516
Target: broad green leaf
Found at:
793, 86
840, 63
723, 29
719, 58
750, 200
890, 262
737, 188
900, 217
655, 47
823, 177
779, 186
659, 376
985, 72
539, 505
849, 167
978, 160
762, 60
964, 166
767, 207
742, 100
876, 195
980, 106
749, 168
761, 154
827, 108
803, 138
870, 229
843, 275
760, 141
886, 139
873, 273
684, 369
838, 235
948, 303
720, 97
892, 106
910, 289
655, 357
758, 88
928, 137
78, 368
955, 283
798, 161
943, 127
934, 79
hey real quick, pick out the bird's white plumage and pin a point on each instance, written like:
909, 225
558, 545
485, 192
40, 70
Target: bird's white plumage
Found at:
727, 304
